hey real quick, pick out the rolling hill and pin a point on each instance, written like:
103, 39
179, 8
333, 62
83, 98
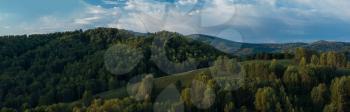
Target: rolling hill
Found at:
54, 68
241, 48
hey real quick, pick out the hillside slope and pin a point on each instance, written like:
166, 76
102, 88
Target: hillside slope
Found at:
241, 48
59, 67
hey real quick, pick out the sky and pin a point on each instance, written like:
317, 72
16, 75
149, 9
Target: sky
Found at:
254, 21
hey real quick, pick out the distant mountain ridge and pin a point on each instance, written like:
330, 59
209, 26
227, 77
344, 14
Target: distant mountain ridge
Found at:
241, 48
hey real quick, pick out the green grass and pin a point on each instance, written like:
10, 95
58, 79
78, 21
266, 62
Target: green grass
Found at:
159, 84
282, 62
116, 93
185, 78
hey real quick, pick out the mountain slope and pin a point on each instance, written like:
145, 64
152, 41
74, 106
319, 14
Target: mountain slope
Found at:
53, 68
241, 48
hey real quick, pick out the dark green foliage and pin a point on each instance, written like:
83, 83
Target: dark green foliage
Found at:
62, 72
319, 96
340, 95
265, 99
87, 98
52, 68
315, 60
267, 56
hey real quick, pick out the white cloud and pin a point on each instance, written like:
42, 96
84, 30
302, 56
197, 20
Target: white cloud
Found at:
87, 20
154, 16
187, 2
328, 8
253, 17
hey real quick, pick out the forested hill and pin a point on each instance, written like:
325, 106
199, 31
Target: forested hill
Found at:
61, 72
51, 68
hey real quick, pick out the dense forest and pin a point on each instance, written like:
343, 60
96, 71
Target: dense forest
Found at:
114, 70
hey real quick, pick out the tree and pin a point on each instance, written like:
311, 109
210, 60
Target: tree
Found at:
302, 62
145, 88
203, 91
279, 107
341, 60
243, 109
319, 96
299, 54
224, 66
276, 68
314, 60
229, 107
323, 59
87, 98
112, 84
265, 99
340, 94
209, 98
302, 53
292, 78
186, 97
299, 79
332, 59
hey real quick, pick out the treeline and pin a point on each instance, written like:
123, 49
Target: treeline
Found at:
333, 59
267, 56
264, 86
45, 69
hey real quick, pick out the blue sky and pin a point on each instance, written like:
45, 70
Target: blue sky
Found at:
239, 20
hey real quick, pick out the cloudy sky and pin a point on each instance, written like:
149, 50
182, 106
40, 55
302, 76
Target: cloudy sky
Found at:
238, 20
